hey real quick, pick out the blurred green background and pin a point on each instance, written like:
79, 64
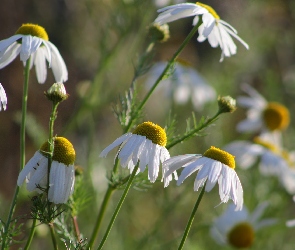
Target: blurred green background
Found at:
100, 42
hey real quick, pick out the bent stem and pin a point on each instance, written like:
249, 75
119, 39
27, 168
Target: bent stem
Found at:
22, 147
191, 219
168, 66
118, 207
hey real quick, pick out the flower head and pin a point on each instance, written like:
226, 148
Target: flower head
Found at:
3, 98
31, 40
215, 165
262, 116
238, 228
57, 93
226, 104
184, 84
267, 153
146, 145
218, 32
62, 172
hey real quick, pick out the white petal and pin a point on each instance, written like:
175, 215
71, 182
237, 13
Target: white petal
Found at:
116, 143
3, 98
58, 65
57, 181
29, 45
40, 65
38, 175
31, 164
4, 44
9, 54
188, 170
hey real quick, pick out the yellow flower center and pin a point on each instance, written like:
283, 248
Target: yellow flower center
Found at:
152, 132
210, 9
64, 151
220, 155
265, 144
276, 116
241, 235
33, 30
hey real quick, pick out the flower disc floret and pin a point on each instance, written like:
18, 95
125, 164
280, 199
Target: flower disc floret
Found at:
64, 151
276, 116
33, 30
152, 132
241, 235
220, 155
210, 9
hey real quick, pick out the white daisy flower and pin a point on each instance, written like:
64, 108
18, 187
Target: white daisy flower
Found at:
262, 116
268, 155
62, 172
214, 165
238, 228
217, 31
3, 98
184, 84
31, 40
146, 145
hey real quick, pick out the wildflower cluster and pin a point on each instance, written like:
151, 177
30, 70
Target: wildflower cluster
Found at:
148, 156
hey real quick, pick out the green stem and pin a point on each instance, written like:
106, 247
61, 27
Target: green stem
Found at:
22, 146
101, 215
191, 219
118, 207
169, 64
55, 246
103, 207
51, 148
199, 128
32, 232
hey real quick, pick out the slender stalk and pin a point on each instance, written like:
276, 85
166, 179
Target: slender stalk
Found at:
169, 64
76, 227
118, 207
55, 246
51, 148
101, 214
191, 219
32, 232
22, 146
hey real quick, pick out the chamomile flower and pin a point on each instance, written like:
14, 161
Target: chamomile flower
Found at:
268, 155
215, 165
183, 85
218, 32
238, 228
144, 146
3, 98
62, 172
31, 40
262, 116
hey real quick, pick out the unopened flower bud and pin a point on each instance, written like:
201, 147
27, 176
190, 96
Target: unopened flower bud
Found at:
57, 93
226, 104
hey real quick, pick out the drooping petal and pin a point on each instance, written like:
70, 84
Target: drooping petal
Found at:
116, 143
58, 65
31, 164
